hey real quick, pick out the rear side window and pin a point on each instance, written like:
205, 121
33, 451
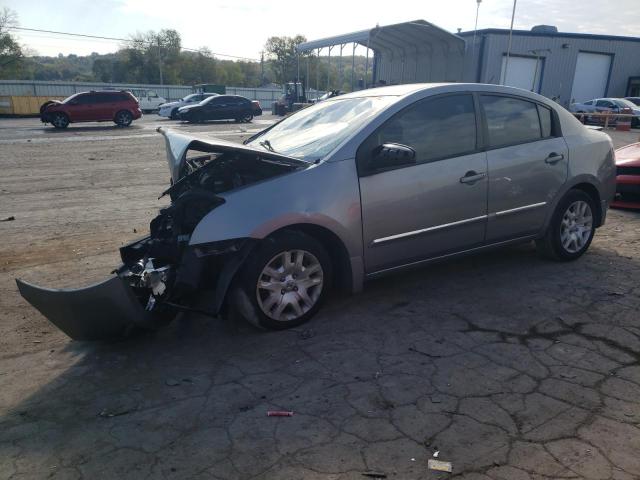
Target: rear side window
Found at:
510, 120
435, 128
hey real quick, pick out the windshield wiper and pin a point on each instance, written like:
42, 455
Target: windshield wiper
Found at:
267, 144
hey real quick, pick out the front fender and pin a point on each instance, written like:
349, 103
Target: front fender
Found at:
325, 195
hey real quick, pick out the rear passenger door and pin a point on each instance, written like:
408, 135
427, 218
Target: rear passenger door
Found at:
528, 164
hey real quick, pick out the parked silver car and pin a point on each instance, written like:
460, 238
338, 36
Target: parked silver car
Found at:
354, 187
170, 109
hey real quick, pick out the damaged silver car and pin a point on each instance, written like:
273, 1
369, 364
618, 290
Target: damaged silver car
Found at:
355, 187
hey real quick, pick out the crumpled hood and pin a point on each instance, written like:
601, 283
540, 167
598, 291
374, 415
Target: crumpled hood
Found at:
177, 145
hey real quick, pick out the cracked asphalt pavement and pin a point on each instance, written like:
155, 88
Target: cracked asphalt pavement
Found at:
511, 367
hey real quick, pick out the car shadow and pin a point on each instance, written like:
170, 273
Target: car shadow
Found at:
135, 400
90, 128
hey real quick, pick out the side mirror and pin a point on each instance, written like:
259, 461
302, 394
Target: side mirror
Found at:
391, 155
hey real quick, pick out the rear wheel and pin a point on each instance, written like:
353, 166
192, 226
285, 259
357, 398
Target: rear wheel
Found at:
245, 119
571, 229
123, 118
283, 282
60, 120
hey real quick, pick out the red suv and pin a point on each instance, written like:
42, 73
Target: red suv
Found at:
120, 107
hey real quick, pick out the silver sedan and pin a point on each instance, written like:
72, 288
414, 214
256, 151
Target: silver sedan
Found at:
358, 186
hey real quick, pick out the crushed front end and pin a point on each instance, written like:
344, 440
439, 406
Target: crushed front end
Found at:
163, 273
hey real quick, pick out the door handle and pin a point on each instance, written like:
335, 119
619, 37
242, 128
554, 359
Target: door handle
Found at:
554, 158
472, 177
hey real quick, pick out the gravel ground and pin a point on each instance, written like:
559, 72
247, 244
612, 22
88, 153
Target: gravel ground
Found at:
510, 366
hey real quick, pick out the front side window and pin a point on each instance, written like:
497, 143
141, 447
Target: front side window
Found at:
510, 120
86, 99
435, 128
604, 103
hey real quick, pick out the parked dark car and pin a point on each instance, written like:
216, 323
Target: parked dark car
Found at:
221, 107
120, 107
634, 100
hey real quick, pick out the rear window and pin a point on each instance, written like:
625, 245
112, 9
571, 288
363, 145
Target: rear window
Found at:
511, 120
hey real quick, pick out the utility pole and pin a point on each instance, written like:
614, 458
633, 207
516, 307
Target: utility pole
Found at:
262, 68
506, 64
160, 60
475, 29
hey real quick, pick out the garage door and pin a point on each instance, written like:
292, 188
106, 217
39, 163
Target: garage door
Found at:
522, 73
591, 77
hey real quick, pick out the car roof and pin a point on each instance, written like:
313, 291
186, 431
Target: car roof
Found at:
451, 87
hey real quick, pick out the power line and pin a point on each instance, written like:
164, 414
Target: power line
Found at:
129, 40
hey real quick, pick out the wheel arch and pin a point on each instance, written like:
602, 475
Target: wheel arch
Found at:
591, 190
587, 184
337, 250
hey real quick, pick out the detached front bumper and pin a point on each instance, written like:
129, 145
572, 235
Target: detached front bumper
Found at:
105, 310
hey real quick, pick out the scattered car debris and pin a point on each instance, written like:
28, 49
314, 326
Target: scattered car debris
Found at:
436, 399
374, 474
172, 382
439, 466
9, 219
616, 294
279, 413
436, 454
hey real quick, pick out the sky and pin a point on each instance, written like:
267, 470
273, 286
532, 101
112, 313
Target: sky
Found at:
241, 27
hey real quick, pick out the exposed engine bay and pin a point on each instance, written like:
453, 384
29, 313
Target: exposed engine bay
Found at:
163, 272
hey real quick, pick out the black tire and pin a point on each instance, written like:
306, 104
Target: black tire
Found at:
60, 120
551, 244
123, 118
244, 296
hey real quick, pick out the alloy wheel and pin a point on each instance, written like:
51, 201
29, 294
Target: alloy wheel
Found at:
290, 285
59, 121
576, 226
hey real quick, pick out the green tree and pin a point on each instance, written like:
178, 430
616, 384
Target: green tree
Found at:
11, 55
282, 50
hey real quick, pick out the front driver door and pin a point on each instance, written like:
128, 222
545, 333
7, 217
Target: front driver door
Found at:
215, 107
436, 206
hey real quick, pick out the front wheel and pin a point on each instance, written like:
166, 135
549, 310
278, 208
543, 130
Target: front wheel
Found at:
60, 120
283, 282
571, 229
123, 118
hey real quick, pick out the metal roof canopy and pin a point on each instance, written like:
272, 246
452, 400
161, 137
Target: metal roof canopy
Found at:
397, 36
397, 42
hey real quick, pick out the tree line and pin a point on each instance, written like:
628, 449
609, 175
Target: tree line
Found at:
159, 57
